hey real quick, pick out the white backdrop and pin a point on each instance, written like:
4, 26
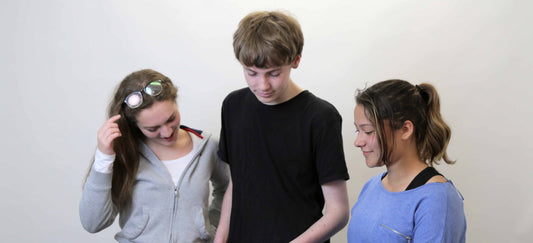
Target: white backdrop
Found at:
61, 60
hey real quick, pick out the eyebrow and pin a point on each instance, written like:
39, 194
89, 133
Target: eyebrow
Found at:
364, 125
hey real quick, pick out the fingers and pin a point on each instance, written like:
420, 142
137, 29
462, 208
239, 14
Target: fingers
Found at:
114, 118
107, 134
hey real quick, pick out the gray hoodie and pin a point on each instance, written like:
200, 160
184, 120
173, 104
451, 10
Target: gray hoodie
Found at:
160, 211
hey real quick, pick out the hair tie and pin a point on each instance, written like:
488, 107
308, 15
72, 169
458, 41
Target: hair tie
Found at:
422, 92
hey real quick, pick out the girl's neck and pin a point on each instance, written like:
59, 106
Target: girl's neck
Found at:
401, 172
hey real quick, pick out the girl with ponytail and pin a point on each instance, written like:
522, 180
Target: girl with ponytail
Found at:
399, 125
151, 170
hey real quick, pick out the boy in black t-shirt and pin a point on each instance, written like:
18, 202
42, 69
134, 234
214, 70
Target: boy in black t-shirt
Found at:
283, 144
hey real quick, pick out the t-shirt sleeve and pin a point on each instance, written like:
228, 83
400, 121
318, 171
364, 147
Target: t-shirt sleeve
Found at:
328, 146
431, 217
440, 217
222, 149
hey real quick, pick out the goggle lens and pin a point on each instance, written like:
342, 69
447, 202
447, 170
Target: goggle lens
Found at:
154, 88
135, 99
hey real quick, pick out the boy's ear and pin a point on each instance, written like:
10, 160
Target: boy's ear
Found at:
296, 61
408, 129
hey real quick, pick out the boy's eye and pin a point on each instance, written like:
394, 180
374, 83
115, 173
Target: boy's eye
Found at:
274, 74
151, 129
251, 74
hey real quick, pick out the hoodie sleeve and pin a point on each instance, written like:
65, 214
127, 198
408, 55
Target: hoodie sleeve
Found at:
97, 210
219, 180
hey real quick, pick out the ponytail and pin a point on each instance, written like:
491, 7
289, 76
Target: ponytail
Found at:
437, 136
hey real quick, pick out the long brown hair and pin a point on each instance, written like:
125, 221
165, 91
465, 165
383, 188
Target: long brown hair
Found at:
126, 146
388, 104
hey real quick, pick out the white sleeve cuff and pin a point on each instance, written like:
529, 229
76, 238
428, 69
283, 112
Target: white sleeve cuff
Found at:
103, 163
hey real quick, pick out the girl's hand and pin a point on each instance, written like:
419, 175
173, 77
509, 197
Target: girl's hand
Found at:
107, 134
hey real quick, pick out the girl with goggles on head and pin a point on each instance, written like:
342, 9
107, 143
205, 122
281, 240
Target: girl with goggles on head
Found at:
152, 171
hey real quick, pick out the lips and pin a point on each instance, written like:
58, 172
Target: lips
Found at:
264, 94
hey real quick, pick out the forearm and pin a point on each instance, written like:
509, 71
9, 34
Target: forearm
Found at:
335, 217
324, 228
222, 233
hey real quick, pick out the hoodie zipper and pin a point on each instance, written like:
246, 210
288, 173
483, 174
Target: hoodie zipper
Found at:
174, 209
176, 191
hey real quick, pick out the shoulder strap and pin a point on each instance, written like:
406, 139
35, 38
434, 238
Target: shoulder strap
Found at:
422, 177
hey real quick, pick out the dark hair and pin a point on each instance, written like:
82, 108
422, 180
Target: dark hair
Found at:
388, 104
265, 39
126, 146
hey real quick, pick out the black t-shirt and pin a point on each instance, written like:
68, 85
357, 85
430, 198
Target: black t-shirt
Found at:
279, 156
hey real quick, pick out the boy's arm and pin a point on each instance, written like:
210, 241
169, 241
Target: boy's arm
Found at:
335, 216
221, 235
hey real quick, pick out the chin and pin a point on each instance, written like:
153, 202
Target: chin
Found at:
373, 164
166, 142
266, 101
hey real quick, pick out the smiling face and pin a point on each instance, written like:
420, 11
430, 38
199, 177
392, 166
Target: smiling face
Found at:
160, 123
367, 139
271, 85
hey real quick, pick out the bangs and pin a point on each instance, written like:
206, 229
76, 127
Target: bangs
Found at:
262, 56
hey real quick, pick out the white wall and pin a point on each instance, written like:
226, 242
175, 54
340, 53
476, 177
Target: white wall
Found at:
60, 61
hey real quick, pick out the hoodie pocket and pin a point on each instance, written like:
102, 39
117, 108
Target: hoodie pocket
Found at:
135, 225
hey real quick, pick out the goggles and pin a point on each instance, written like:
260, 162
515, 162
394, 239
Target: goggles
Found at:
135, 99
